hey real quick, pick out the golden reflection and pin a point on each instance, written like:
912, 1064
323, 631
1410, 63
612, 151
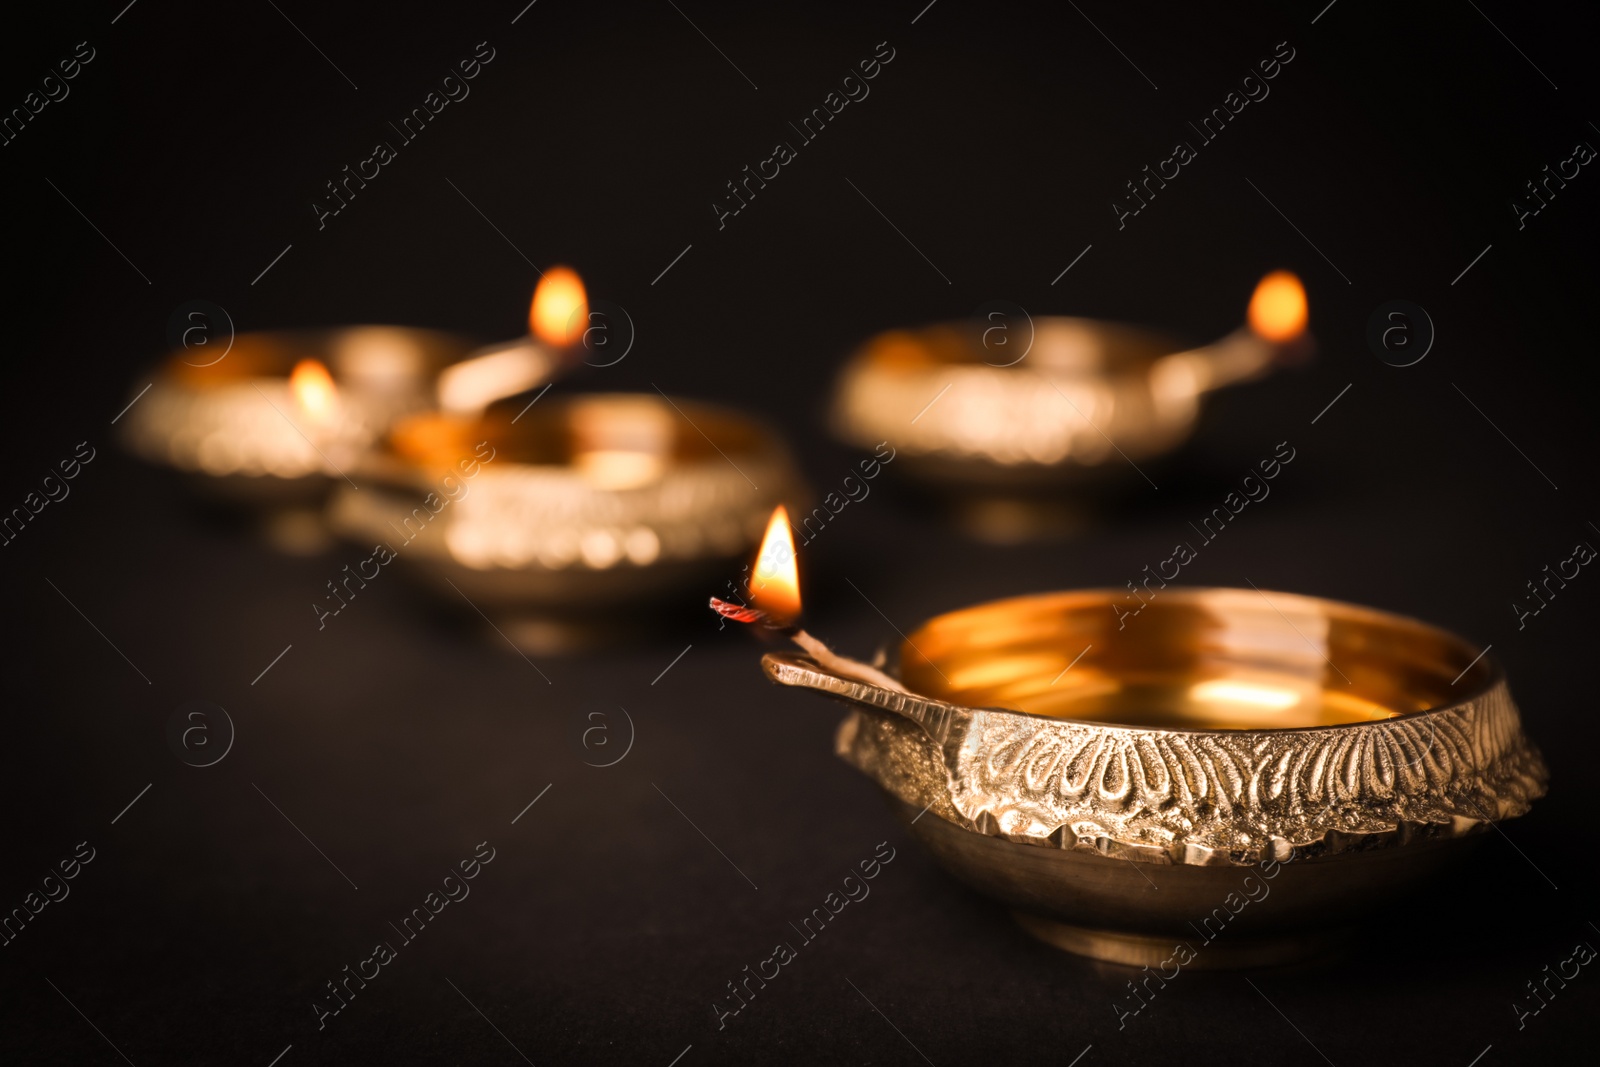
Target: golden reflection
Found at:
1193, 659
1223, 691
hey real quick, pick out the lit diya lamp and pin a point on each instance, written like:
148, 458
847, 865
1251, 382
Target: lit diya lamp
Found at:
280, 417
547, 518
1128, 791
996, 414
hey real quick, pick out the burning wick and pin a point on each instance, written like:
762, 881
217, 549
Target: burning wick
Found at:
827, 657
776, 585
558, 317
1274, 332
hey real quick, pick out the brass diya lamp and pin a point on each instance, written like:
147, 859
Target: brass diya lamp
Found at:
278, 419
268, 428
1002, 419
1127, 791
575, 506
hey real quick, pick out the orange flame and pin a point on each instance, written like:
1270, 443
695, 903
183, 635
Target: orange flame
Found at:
1278, 307
775, 586
560, 311
313, 389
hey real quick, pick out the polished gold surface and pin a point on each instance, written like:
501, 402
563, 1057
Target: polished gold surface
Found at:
1066, 755
588, 504
1208, 659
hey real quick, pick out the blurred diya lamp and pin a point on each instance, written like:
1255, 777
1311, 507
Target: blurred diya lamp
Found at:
280, 417
575, 507
997, 420
557, 320
272, 424
1130, 791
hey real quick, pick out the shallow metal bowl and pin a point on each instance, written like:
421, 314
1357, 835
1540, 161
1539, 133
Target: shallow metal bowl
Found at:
1118, 778
574, 507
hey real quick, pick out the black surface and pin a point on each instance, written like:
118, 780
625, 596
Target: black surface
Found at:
396, 739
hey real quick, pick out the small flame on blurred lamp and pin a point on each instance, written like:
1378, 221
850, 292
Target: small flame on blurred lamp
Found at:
313, 390
1278, 307
560, 311
775, 586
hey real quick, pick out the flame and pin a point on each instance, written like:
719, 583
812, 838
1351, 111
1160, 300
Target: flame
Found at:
313, 389
1278, 307
775, 586
560, 312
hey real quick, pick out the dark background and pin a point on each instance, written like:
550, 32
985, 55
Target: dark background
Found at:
599, 136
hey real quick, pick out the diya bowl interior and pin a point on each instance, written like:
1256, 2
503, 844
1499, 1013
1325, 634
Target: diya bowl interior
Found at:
211, 417
1241, 772
589, 504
